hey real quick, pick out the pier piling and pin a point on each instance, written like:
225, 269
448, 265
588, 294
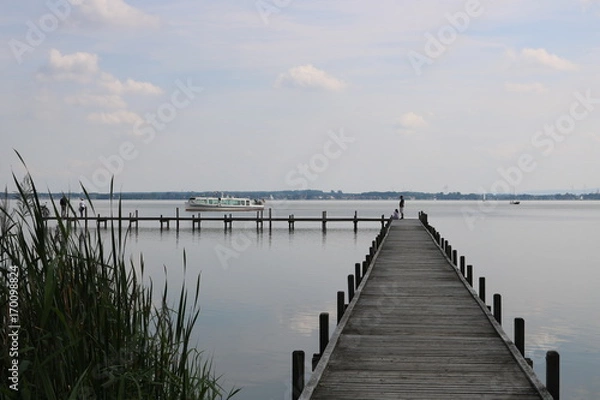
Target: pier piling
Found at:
482, 289
498, 308
469, 276
553, 373
357, 277
350, 287
520, 335
297, 374
341, 305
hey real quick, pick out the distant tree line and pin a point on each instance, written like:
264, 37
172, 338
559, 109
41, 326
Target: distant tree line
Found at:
335, 195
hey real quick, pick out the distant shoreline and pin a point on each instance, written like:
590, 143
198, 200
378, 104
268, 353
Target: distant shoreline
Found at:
321, 195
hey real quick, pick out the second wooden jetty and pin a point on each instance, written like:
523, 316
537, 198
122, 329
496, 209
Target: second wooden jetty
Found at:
415, 329
132, 220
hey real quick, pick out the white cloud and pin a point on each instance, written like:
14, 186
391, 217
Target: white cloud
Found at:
115, 118
542, 57
117, 13
105, 101
410, 120
79, 67
535, 87
130, 86
101, 91
307, 76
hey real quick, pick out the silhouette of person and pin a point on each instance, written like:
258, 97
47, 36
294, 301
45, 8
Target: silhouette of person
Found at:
63, 206
401, 207
81, 207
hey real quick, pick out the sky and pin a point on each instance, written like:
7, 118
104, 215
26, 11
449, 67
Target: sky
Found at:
476, 96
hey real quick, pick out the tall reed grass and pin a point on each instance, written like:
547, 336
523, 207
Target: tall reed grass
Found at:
89, 327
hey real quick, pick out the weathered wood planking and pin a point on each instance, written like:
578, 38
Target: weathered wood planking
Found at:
415, 330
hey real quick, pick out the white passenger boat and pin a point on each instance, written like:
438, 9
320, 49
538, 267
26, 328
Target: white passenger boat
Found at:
224, 204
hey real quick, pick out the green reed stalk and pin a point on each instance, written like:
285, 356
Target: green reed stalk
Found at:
89, 328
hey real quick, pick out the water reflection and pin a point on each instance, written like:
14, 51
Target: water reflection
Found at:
262, 290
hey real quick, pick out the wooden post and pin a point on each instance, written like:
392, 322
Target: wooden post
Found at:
520, 335
323, 332
553, 374
315, 360
177, 219
341, 305
196, 220
455, 257
324, 221
470, 275
137, 221
350, 288
482, 289
355, 221
498, 308
357, 277
382, 221
365, 267
297, 374
462, 265
86, 219
270, 220
225, 221
323, 338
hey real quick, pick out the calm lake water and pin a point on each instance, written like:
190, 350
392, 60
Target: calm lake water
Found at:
262, 292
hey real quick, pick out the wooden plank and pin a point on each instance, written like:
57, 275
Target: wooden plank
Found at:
416, 330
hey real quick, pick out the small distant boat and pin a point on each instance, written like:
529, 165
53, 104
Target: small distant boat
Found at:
224, 204
515, 202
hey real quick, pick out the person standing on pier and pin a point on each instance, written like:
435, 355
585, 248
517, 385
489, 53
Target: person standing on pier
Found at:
63, 206
401, 207
81, 207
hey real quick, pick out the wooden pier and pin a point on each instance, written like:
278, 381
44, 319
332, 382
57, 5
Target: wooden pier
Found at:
132, 220
415, 328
